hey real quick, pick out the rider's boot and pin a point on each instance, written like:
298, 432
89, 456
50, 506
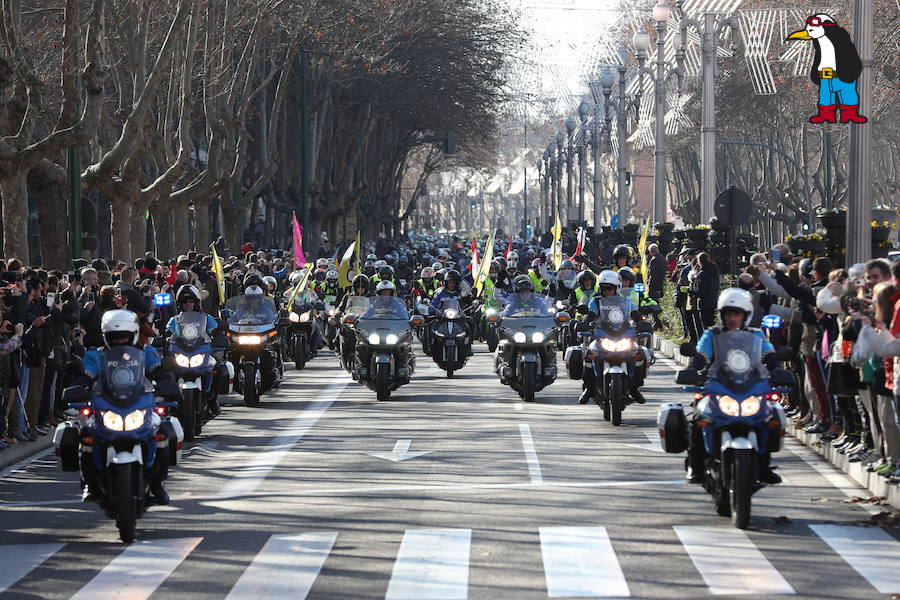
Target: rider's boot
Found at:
696, 454
766, 474
588, 385
635, 391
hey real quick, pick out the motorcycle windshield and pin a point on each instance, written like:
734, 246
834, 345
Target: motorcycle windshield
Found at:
191, 331
357, 305
614, 314
386, 308
450, 308
251, 309
303, 298
737, 360
122, 379
567, 278
527, 304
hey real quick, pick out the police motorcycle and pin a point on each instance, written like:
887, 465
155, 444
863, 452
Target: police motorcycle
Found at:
612, 354
117, 431
737, 420
196, 370
526, 355
255, 349
451, 344
384, 356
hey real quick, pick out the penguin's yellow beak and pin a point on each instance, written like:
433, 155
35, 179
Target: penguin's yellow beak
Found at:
800, 35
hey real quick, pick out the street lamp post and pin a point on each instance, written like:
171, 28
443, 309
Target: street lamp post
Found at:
571, 126
554, 181
641, 41
712, 26
584, 112
859, 205
621, 104
560, 157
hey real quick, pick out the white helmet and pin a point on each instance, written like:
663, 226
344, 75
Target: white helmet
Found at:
627, 271
188, 290
118, 321
512, 256
380, 263
295, 277
736, 298
321, 263
332, 274
253, 290
608, 277
427, 273
385, 285
271, 282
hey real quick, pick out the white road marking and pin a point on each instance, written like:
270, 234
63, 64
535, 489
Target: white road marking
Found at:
653, 444
21, 559
730, 563
25, 462
400, 452
519, 406
266, 459
431, 564
871, 551
836, 478
580, 562
286, 567
139, 570
531, 457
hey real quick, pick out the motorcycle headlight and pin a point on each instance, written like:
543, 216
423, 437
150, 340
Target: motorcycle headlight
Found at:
330, 312
729, 406
391, 338
294, 317
750, 406
113, 421
491, 312
451, 313
249, 340
182, 360
608, 344
519, 337
197, 360
135, 419
623, 345
305, 317
374, 339
537, 337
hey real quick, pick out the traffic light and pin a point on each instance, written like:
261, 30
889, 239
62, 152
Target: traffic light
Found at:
448, 145
472, 204
627, 177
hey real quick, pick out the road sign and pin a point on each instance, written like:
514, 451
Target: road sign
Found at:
733, 207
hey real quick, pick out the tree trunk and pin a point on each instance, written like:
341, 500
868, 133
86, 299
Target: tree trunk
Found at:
201, 224
180, 234
162, 226
138, 230
47, 184
230, 225
120, 227
15, 214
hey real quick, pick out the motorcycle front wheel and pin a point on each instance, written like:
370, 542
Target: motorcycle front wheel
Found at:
616, 399
529, 381
383, 381
741, 488
299, 352
126, 505
492, 339
188, 414
250, 386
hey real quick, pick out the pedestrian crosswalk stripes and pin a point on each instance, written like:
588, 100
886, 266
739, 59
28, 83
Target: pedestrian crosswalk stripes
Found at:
19, 561
872, 552
286, 567
432, 564
138, 570
578, 562
730, 563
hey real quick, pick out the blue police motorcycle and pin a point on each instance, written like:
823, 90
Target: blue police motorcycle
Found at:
613, 353
737, 420
121, 437
194, 366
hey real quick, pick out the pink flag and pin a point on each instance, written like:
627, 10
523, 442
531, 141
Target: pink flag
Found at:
299, 257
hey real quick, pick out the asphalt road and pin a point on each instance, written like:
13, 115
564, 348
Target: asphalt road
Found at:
452, 489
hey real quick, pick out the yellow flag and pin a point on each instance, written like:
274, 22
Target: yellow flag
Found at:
344, 267
485, 266
301, 285
557, 244
357, 265
642, 249
219, 273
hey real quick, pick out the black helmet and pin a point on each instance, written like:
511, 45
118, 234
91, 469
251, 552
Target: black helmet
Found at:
567, 264
360, 281
501, 260
253, 279
386, 272
452, 275
622, 250
522, 283
584, 275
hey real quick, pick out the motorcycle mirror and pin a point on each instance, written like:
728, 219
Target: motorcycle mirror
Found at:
416, 320
283, 322
158, 342
688, 377
350, 319
636, 315
75, 393
688, 349
563, 317
646, 310
167, 388
221, 341
226, 313
782, 378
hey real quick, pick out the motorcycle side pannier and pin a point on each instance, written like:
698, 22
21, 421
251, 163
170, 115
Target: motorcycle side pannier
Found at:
672, 428
66, 438
574, 362
776, 434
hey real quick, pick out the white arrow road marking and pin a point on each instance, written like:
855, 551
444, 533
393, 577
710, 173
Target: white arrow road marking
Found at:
653, 443
400, 452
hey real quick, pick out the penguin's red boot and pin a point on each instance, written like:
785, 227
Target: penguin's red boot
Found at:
849, 114
827, 114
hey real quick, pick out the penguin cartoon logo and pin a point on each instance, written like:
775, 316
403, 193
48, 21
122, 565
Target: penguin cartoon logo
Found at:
836, 68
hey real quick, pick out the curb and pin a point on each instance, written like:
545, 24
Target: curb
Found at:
22, 451
875, 484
